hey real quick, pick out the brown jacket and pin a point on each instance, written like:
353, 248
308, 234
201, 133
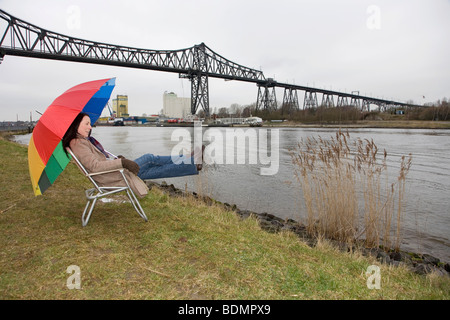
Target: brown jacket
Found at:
95, 161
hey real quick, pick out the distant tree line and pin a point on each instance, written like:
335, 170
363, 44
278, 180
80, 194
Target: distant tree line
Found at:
438, 111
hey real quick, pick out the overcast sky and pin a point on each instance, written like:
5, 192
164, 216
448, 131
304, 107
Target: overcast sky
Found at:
386, 49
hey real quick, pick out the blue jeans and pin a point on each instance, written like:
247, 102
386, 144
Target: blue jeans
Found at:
156, 167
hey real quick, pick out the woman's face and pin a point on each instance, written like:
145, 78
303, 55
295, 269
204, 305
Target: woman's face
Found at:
85, 127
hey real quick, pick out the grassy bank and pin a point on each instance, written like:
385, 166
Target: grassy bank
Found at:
187, 250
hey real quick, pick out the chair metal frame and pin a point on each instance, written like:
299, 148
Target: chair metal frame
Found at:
93, 194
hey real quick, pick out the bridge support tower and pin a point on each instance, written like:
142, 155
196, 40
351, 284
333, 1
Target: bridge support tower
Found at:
365, 105
310, 100
199, 94
327, 100
266, 97
290, 101
342, 101
199, 80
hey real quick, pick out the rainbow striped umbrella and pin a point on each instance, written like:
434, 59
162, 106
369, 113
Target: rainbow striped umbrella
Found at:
46, 157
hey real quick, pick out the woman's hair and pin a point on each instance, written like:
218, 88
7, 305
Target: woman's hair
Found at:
71, 133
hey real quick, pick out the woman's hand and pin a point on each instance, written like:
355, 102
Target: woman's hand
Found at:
130, 165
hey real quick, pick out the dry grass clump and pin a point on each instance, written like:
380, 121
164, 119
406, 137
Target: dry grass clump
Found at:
347, 192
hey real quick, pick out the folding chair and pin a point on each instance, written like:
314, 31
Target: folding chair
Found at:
93, 194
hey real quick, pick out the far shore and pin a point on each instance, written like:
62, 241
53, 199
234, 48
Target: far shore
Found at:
375, 124
388, 124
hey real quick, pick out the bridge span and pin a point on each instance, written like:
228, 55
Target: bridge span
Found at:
197, 63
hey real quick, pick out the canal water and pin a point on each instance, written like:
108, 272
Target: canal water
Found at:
426, 205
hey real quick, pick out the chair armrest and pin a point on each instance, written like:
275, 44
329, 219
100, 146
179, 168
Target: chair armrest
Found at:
89, 175
103, 172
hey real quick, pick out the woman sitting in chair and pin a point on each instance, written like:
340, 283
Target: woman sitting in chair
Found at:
95, 159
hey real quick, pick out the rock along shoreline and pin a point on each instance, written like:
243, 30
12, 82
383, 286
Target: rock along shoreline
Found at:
422, 264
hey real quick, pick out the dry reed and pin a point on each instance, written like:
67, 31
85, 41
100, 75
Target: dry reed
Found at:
345, 196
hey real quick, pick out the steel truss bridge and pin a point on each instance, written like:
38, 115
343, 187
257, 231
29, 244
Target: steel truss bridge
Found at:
197, 63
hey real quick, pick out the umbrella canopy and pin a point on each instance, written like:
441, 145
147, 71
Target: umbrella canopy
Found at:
46, 157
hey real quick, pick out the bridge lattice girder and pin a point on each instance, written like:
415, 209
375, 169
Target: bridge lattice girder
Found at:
25, 39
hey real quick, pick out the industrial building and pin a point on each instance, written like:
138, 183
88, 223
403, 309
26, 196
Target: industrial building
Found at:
175, 107
120, 106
